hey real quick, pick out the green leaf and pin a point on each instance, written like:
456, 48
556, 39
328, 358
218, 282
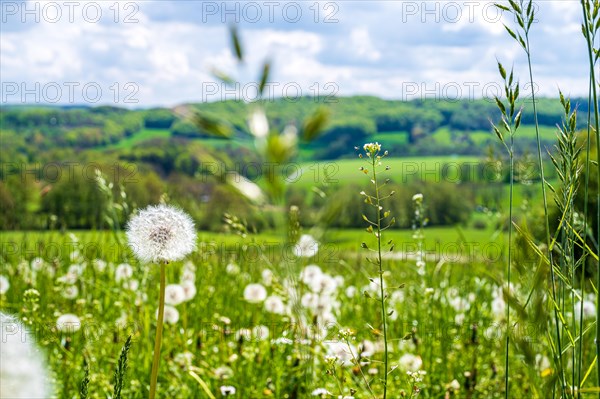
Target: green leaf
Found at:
315, 124
500, 105
264, 78
235, 41
212, 126
518, 118
222, 76
502, 70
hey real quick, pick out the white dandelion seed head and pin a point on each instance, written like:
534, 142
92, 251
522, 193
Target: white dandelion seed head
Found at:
23, 373
189, 288
267, 277
174, 294
232, 269
68, 323
351, 291
310, 274
498, 307
255, 293
275, 305
131, 285
410, 362
227, 390
589, 310
321, 392
366, 348
123, 271
161, 233
99, 265
4, 285
171, 315
325, 284
37, 264
69, 278
223, 373
306, 247
260, 333
70, 292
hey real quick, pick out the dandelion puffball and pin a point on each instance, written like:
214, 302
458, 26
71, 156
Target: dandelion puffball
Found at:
161, 233
255, 293
174, 294
306, 247
22, 370
68, 323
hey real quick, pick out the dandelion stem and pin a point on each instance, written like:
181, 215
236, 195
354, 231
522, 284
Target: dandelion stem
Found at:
159, 330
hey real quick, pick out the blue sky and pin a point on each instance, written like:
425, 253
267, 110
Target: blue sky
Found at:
161, 53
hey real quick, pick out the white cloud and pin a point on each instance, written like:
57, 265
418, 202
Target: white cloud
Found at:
375, 48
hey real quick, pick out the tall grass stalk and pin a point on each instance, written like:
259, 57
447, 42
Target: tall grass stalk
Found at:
525, 16
590, 28
509, 124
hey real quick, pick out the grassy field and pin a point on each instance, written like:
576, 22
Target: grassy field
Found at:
206, 347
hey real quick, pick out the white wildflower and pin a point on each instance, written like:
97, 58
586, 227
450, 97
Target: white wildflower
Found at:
174, 294
23, 373
372, 147
306, 247
417, 197
161, 233
68, 323
255, 293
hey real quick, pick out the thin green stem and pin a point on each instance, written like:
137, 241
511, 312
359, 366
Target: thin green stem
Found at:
510, 230
159, 331
382, 292
596, 122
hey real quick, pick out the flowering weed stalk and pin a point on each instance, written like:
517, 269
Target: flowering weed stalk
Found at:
374, 157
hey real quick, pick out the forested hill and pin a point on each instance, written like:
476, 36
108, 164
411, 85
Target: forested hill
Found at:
420, 127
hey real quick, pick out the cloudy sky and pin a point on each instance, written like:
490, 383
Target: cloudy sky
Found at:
149, 53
